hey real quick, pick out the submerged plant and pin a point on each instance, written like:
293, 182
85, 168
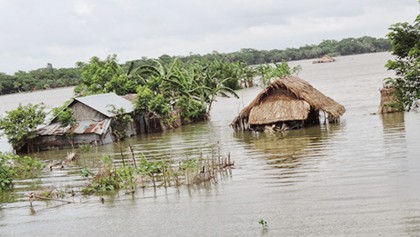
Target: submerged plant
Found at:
109, 177
160, 173
263, 223
6, 175
15, 167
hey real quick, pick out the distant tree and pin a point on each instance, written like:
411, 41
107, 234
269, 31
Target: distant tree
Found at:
20, 124
102, 76
279, 70
405, 40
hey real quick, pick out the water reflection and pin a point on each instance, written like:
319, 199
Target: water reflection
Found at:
292, 154
284, 149
412, 225
393, 121
395, 143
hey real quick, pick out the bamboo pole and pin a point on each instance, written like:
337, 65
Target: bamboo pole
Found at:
164, 175
132, 155
32, 196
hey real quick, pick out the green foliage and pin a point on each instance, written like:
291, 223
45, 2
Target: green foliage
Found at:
14, 166
144, 95
158, 172
107, 179
112, 178
263, 223
57, 110
279, 70
191, 110
345, 46
188, 164
119, 122
406, 47
160, 106
39, 79
217, 88
148, 102
85, 172
126, 176
103, 76
233, 72
66, 118
26, 166
20, 124
6, 174
149, 168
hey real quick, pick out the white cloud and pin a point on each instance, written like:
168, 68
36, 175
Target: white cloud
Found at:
83, 8
63, 32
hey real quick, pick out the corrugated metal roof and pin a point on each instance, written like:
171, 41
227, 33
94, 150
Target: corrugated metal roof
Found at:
102, 102
82, 127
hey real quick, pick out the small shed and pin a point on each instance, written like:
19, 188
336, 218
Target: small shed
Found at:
287, 103
93, 117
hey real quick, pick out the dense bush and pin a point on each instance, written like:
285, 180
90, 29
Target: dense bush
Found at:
15, 167
405, 40
191, 110
20, 124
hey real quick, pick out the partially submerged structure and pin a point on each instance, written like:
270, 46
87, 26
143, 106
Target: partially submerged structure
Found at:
324, 59
93, 117
388, 101
287, 103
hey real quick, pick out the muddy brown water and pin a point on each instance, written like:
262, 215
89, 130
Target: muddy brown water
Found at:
359, 178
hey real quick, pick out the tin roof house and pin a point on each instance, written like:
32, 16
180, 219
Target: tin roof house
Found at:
93, 123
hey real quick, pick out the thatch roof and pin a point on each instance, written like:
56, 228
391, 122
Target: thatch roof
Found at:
287, 99
388, 101
324, 59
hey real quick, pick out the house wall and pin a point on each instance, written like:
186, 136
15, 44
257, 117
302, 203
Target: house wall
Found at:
62, 142
144, 125
83, 112
45, 142
131, 129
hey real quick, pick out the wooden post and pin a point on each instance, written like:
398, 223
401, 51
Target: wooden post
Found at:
132, 155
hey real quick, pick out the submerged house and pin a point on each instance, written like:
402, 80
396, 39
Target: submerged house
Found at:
287, 103
93, 118
388, 101
324, 59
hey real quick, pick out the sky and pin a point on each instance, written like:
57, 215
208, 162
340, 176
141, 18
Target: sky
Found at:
62, 32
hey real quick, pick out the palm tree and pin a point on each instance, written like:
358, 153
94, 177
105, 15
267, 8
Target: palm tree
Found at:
216, 87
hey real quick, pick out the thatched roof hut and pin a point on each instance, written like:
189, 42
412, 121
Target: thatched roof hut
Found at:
287, 103
324, 59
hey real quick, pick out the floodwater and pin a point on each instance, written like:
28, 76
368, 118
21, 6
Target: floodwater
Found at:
358, 178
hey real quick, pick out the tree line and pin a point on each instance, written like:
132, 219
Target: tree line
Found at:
49, 77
